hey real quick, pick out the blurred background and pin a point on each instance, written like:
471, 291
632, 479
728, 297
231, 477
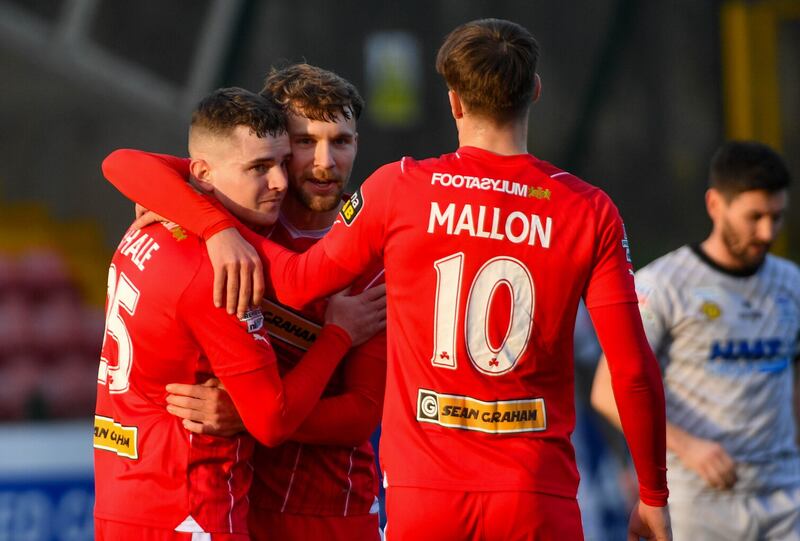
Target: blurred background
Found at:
636, 97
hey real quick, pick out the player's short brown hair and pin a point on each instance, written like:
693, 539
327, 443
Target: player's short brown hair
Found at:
491, 65
314, 92
742, 166
223, 110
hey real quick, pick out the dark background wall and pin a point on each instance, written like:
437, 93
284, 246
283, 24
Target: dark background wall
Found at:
632, 101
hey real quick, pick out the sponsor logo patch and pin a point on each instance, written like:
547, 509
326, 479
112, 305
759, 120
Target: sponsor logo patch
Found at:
539, 193
178, 232
626, 245
112, 436
744, 356
711, 310
466, 413
511, 187
352, 207
254, 319
289, 326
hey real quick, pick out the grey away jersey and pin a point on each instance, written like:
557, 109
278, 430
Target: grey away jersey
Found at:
727, 346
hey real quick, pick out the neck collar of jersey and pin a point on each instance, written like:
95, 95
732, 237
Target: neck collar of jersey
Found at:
499, 160
296, 232
736, 273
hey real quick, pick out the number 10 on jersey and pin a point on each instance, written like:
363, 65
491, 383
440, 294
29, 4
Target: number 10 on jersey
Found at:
496, 273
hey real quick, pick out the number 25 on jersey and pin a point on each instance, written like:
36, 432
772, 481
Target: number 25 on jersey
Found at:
115, 366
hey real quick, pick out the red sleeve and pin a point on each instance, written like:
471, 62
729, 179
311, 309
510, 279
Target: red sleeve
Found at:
352, 416
639, 393
611, 279
298, 279
241, 356
158, 182
232, 346
359, 233
354, 243
271, 411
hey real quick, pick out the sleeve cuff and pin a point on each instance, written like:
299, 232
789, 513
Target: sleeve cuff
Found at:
215, 228
334, 333
654, 498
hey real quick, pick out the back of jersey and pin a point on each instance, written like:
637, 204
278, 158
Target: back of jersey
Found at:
486, 259
146, 463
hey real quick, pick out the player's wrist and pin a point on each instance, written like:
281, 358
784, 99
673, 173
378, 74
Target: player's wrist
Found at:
335, 334
654, 498
217, 227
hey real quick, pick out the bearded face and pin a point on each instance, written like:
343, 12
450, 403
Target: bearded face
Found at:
322, 160
749, 223
745, 248
318, 189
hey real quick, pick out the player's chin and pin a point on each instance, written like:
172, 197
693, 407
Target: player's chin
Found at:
266, 214
755, 254
324, 203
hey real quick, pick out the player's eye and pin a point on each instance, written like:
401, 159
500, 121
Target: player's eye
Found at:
259, 168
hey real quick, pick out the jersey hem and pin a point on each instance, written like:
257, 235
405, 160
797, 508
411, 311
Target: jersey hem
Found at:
162, 525
483, 487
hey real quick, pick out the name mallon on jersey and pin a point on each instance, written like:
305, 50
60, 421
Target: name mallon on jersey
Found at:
766, 352
490, 223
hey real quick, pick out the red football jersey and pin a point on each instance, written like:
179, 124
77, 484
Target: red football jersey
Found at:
486, 258
303, 478
161, 328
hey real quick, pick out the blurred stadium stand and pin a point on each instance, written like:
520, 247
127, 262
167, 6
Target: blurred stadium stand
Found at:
51, 277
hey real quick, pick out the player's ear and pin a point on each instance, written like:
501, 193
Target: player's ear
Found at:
455, 104
537, 88
201, 174
715, 202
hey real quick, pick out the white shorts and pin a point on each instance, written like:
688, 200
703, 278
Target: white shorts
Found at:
732, 516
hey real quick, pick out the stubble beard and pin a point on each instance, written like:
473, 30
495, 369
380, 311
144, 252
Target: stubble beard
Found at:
315, 202
740, 250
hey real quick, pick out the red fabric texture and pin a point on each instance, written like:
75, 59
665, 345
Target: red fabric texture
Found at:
639, 392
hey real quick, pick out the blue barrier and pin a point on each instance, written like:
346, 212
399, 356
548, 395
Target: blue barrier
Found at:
46, 484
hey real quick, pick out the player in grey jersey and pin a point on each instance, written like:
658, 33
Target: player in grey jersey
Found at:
723, 318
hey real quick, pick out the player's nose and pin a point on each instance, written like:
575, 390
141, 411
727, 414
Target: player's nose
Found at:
278, 179
323, 155
767, 229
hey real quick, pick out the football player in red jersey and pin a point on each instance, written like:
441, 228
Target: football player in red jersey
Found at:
487, 252
322, 484
154, 479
